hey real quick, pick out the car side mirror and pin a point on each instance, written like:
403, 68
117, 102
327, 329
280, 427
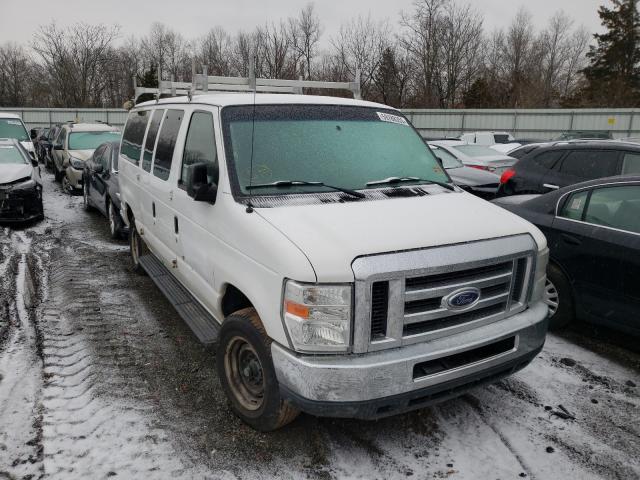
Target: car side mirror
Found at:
57, 146
197, 184
98, 168
34, 161
33, 134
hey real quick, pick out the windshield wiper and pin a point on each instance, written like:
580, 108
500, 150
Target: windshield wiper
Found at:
297, 183
396, 180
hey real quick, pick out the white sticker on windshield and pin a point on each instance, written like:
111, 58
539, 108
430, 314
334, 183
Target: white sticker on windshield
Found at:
14, 122
387, 117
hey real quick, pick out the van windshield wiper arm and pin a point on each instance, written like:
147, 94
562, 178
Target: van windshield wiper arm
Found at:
298, 183
396, 180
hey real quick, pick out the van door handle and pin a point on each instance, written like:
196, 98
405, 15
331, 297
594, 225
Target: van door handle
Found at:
551, 186
153, 209
175, 225
570, 239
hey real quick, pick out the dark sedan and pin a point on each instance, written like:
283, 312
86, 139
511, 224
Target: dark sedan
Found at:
101, 189
593, 231
479, 182
558, 165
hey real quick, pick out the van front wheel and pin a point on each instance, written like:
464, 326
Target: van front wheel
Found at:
247, 375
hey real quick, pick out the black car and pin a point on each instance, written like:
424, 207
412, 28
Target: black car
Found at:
51, 136
479, 182
101, 189
42, 144
593, 233
562, 164
20, 184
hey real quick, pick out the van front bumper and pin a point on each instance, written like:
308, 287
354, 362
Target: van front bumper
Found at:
385, 383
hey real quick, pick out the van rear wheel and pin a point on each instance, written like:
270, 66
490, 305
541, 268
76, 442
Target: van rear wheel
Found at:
247, 374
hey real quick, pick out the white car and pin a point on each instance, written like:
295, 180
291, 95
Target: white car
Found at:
12, 126
477, 156
323, 248
487, 138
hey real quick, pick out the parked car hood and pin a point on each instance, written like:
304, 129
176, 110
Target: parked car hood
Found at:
12, 172
333, 235
473, 177
28, 145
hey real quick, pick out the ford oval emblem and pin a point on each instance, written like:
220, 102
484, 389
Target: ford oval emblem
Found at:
461, 299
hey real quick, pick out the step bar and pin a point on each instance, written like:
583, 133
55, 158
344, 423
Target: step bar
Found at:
204, 326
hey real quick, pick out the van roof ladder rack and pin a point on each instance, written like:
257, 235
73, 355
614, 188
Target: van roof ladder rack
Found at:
204, 83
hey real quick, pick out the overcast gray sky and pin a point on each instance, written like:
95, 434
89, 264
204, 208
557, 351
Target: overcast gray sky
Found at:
20, 18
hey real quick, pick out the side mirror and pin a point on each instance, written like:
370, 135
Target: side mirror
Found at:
57, 146
98, 168
34, 161
197, 184
33, 134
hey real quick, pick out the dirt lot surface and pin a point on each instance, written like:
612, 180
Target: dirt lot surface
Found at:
100, 378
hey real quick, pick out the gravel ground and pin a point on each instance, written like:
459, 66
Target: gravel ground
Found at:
100, 378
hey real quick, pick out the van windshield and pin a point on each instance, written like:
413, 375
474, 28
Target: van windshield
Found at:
13, 128
91, 140
343, 146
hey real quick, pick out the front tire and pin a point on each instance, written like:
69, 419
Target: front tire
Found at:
115, 222
57, 174
247, 374
86, 202
559, 298
137, 248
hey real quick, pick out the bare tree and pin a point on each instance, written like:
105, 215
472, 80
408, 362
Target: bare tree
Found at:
555, 42
305, 31
16, 73
358, 47
215, 50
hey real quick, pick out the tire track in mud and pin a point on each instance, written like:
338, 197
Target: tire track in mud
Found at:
97, 418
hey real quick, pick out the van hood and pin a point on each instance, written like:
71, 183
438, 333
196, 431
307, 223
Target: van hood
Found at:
12, 172
333, 235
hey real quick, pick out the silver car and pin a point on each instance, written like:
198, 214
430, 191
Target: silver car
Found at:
476, 156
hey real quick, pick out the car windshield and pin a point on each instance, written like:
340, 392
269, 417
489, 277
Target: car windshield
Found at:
342, 146
91, 140
11, 155
13, 128
475, 150
448, 160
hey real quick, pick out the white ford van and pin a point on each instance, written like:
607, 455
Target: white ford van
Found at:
318, 241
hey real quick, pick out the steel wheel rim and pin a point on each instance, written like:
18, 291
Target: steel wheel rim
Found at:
245, 374
85, 195
551, 297
65, 183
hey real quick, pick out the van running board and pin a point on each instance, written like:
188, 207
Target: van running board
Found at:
204, 326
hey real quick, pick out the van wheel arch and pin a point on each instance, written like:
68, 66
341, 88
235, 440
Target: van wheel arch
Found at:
233, 300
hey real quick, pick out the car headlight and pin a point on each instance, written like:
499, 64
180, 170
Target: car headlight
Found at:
26, 183
540, 276
317, 316
76, 163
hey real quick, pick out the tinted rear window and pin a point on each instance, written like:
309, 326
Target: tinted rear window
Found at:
548, 159
133, 135
590, 164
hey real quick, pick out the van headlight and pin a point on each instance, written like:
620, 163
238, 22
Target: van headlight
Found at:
317, 316
76, 163
540, 276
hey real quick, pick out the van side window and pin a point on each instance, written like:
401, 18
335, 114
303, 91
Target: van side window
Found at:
167, 143
147, 156
200, 147
133, 135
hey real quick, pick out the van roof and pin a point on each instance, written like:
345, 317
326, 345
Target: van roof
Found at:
10, 115
226, 99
